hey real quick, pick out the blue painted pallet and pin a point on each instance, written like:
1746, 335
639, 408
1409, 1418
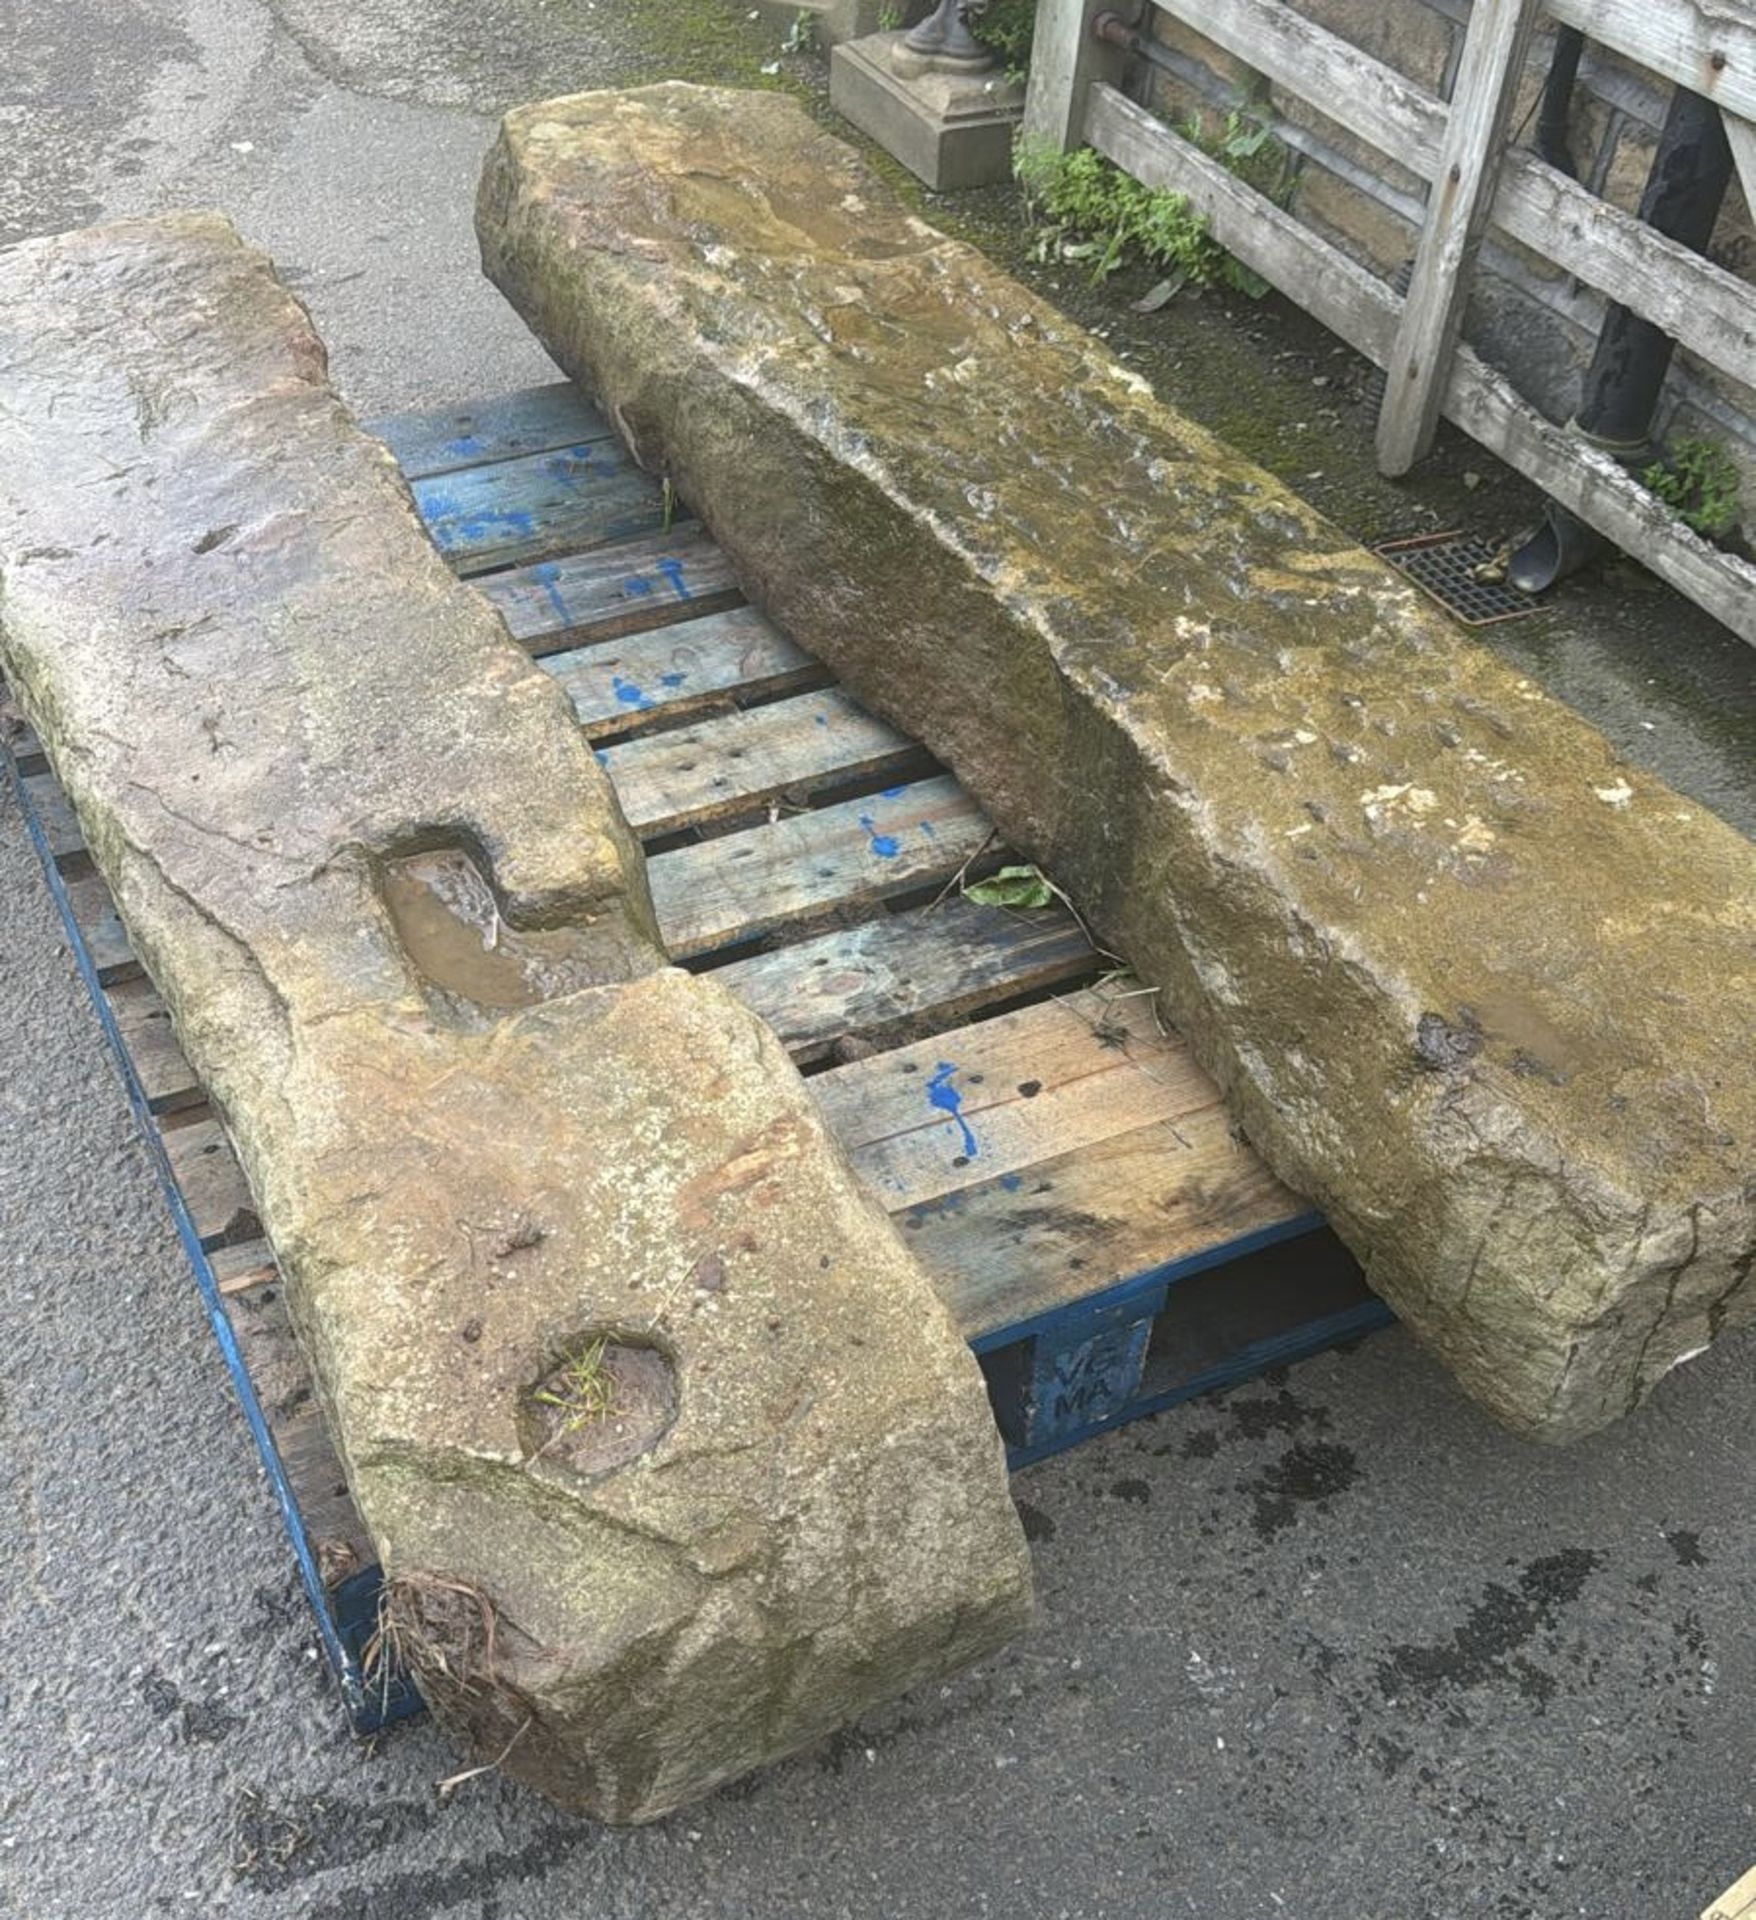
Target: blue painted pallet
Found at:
1063, 1170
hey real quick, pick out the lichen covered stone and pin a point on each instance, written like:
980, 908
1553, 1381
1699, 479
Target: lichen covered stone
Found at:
672, 1457
1477, 987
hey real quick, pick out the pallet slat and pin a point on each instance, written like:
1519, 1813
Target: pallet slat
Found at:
532, 420
18, 740
734, 761
672, 670
55, 815
940, 962
1123, 1209
844, 858
214, 1188
100, 927
665, 575
282, 1379
584, 495
166, 1077
996, 1098
243, 1266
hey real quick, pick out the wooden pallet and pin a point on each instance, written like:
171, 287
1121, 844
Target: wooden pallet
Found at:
1066, 1173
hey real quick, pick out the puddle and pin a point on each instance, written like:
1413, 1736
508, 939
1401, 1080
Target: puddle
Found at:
450, 927
1536, 1044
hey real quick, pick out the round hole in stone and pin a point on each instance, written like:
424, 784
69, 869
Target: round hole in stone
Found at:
604, 1402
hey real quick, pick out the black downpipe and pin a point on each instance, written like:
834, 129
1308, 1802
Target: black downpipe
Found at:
1555, 112
1684, 191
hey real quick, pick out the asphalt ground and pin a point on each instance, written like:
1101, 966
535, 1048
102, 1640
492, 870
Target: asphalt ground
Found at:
1331, 1647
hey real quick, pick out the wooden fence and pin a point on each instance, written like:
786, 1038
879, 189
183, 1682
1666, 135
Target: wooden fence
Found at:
1477, 179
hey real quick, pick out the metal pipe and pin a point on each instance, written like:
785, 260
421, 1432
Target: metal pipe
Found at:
1555, 111
1684, 190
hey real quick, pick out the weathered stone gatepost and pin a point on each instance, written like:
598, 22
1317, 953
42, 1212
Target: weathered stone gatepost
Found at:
1480, 989
672, 1457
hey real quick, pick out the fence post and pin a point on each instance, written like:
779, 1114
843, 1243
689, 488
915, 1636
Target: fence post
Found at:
1457, 216
1065, 57
1742, 135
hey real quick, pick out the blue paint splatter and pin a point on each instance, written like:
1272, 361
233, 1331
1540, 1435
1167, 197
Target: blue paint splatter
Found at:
548, 577
436, 504
636, 587
630, 695
820, 719
943, 1095
893, 793
931, 831
918, 1216
672, 679
462, 447
1012, 1181
885, 845
572, 464
454, 525
673, 572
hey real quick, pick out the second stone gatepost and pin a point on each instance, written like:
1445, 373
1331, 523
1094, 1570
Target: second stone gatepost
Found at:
1475, 986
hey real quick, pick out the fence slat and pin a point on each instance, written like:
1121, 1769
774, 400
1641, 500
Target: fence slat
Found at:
1742, 138
1702, 306
1457, 217
1372, 101
1364, 311
1348, 299
1709, 45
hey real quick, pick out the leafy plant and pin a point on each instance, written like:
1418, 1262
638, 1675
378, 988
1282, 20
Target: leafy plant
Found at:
1011, 887
889, 18
1699, 481
802, 34
1005, 27
1092, 211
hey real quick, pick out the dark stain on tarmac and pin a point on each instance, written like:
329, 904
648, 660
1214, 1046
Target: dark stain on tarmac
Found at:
1310, 1473
193, 1722
1038, 1527
277, 1841
1488, 1645
1255, 1419
419, 1895
1686, 1545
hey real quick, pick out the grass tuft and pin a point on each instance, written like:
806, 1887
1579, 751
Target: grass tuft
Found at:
582, 1390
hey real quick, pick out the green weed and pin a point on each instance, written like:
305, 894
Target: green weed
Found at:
1089, 210
1005, 27
1699, 482
582, 1390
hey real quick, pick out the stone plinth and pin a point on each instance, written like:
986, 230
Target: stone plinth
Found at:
953, 127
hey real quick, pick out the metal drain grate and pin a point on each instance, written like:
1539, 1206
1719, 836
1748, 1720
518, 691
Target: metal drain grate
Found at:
1444, 567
